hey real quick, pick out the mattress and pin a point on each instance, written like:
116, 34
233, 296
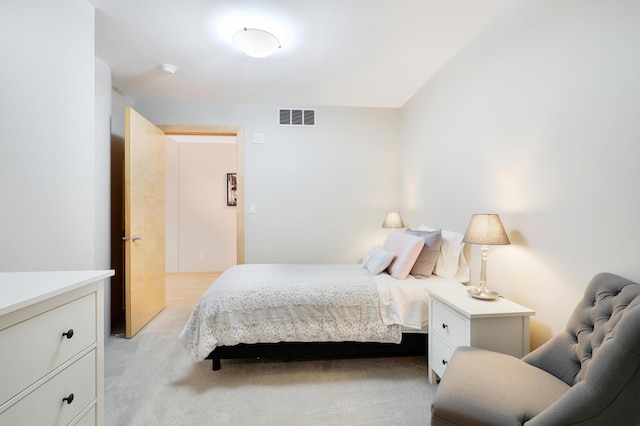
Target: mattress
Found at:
271, 303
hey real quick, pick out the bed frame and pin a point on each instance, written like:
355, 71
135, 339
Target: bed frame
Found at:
412, 344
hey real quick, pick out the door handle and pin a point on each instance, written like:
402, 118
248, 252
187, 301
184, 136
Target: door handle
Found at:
134, 238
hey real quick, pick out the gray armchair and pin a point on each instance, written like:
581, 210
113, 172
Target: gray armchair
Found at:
587, 375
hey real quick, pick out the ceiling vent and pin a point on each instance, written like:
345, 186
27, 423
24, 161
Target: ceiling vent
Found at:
297, 117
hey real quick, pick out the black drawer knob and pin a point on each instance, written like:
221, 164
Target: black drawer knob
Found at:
444, 326
68, 399
444, 362
68, 334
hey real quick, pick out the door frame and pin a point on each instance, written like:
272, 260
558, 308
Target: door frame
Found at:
238, 132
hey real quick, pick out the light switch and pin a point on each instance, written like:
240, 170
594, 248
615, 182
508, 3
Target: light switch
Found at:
252, 208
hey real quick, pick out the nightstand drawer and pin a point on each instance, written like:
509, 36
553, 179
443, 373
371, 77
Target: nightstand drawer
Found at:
45, 405
450, 327
457, 319
33, 348
440, 355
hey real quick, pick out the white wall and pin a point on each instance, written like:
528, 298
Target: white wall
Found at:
320, 192
103, 166
102, 241
536, 119
172, 207
48, 157
201, 228
119, 103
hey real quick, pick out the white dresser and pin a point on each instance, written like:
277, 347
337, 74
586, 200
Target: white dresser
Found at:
457, 319
51, 347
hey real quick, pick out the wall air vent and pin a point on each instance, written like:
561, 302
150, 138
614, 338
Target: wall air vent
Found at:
296, 117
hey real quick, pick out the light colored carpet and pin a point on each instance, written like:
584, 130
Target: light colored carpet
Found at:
150, 380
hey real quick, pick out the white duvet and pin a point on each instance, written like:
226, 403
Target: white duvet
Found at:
270, 303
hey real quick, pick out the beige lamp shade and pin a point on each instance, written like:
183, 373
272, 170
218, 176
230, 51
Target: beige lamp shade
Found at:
393, 220
486, 229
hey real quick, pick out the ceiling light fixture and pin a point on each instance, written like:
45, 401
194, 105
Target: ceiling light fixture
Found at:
255, 42
168, 68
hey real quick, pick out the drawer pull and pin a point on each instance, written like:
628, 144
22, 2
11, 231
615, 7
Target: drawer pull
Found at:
444, 326
68, 334
443, 363
68, 399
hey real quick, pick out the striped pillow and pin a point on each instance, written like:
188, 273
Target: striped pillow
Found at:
377, 260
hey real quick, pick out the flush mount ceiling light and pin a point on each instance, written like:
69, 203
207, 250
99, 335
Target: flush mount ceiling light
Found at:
168, 68
255, 42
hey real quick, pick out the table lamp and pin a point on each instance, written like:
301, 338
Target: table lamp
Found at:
393, 220
485, 229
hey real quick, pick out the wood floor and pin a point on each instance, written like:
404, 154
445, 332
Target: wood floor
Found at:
183, 289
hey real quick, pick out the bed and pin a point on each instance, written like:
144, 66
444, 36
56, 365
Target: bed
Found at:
377, 307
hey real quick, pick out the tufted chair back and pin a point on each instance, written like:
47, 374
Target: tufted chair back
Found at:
598, 355
569, 355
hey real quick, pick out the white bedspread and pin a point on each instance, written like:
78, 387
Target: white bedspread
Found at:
290, 303
406, 302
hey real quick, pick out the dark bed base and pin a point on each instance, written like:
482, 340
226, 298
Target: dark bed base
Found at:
412, 344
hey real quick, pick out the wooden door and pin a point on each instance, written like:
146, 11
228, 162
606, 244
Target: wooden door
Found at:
144, 177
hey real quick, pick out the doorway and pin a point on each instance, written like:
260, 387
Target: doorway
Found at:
200, 217
238, 132
118, 282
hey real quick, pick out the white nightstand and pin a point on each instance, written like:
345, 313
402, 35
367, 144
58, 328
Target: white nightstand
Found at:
458, 319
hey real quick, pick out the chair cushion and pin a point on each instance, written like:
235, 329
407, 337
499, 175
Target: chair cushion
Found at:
467, 395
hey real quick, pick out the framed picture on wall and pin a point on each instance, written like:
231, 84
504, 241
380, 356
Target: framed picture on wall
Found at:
232, 200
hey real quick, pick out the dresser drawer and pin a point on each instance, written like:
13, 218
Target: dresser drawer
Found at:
88, 419
450, 327
45, 406
34, 347
440, 355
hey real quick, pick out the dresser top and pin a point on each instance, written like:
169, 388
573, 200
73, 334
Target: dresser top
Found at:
21, 289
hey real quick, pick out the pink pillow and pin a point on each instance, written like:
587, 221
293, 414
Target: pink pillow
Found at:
407, 248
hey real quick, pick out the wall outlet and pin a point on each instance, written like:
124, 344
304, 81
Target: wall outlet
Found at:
201, 255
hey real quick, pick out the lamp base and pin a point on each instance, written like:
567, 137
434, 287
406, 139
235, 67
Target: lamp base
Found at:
483, 295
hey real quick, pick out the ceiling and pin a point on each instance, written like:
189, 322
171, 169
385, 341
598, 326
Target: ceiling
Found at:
372, 53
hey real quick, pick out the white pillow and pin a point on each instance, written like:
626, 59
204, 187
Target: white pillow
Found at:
377, 260
451, 263
407, 248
